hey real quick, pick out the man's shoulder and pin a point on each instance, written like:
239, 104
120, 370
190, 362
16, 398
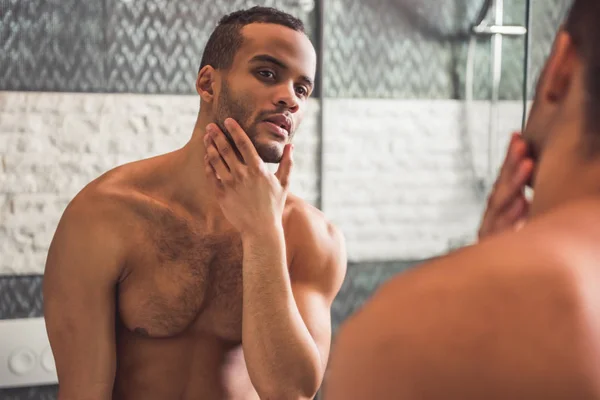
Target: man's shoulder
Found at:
549, 267
575, 222
537, 256
91, 231
309, 224
108, 201
490, 305
319, 245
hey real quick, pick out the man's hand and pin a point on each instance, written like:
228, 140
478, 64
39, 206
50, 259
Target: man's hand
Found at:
250, 195
507, 206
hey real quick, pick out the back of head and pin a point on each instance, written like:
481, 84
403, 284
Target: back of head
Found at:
563, 127
583, 26
227, 38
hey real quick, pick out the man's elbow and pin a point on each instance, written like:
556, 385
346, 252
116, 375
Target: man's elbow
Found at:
309, 385
287, 393
304, 387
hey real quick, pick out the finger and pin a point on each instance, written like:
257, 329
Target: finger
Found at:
223, 146
217, 163
242, 142
510, 186
484, 226
512, 216
517, 210
524, 172
517, 150
211, 176
509, 151
504, 193
498, 223
513, 139
285, 166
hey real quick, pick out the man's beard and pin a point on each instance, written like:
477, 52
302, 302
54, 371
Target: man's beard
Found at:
240, 109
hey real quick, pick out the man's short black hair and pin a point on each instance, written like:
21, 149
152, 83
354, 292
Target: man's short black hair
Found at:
583, 26
227, 37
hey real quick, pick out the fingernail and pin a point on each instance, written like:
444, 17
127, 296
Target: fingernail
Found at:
228, 123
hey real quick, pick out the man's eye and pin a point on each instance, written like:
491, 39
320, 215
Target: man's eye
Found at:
266, 74
301, 90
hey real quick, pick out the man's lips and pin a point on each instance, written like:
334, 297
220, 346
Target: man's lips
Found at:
276, 129
282, 121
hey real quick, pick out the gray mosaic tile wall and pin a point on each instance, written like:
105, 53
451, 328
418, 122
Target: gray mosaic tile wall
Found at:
30, 393
418, 48
362, 280
395, 48
151, 46
21, 297
380, 48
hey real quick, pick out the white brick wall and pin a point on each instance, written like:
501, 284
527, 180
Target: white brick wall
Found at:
53, 144
400, 176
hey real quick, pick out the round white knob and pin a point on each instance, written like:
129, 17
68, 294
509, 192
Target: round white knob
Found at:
48, 360
22, 361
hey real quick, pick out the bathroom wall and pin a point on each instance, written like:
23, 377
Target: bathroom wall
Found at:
405, 154
398, 163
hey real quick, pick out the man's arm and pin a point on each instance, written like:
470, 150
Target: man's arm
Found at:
81, 273
287, 324
285, 331
502, 319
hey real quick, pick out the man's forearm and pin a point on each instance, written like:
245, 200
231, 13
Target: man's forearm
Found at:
283, 358
85, 392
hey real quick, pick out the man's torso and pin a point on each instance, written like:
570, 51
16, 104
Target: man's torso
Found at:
179, 305
518, 311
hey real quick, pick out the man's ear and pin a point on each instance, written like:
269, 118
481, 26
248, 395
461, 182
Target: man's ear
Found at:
205, 83
560, 68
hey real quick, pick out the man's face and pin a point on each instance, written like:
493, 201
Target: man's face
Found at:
267, 87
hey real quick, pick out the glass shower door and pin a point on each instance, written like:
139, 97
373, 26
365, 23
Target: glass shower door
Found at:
495, 84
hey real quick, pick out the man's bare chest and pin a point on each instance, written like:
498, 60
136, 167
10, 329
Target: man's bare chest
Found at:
183, 279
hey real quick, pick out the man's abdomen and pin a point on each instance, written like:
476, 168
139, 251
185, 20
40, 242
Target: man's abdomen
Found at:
186, 367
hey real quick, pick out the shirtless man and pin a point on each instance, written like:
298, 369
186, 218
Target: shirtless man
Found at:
164, 281
514, 316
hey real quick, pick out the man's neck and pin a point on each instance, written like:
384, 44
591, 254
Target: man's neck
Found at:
580, 182
190, 185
